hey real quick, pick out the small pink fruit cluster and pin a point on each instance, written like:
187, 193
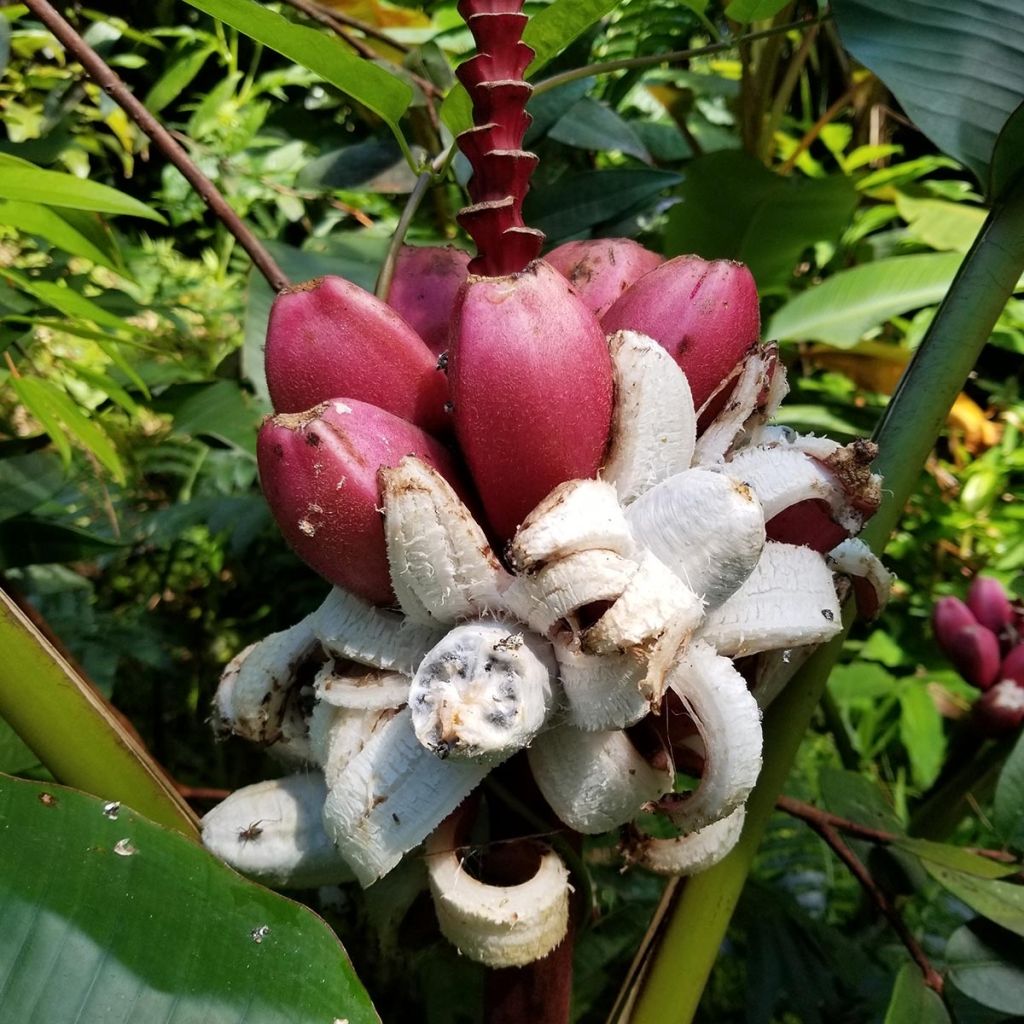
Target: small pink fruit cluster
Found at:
984, 639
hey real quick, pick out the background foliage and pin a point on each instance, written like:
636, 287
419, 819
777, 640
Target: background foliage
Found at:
131, 390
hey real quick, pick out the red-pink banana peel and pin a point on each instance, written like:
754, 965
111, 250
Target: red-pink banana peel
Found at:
974, 651
811, 522
601, 269
1012, 667
949, 616
1000, 711
531, 389
427, 279
329, 339
989, 604
319, 469
704, 313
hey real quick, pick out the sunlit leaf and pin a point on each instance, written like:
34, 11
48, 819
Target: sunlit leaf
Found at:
35, 219
939, 223
844, 307
368, 83
921, 733
55, 409
53, 188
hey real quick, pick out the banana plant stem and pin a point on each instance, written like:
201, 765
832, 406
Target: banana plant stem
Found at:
682, 961
112, 85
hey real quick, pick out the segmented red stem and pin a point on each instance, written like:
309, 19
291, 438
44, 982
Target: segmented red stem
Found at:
494, 146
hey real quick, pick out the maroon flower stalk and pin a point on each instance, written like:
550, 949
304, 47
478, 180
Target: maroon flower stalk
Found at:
494, 146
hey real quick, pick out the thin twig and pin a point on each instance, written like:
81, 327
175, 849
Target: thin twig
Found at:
112, 85
327, 18
932, 978
815, 817
672, 55
339, 21
387, 269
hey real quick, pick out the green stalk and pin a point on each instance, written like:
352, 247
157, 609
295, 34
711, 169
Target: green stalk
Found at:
72, 729
695, 927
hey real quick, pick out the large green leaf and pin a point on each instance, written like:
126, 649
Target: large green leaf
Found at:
939, 223
1008, 808
554, 27
72, 729
843, 308
23, 182
592, 125
913, 1002
957, 68
987, 964
220, 410
735, 208
110, 919
1008, 158
577, 202
368, 83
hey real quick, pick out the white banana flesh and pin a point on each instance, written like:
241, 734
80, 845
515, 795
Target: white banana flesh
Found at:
483, 692
253, 691
391, 796
273, 833
872, 582
689, 854
654, 427
760, 385
346, 684
576, 516
499, 926
783, 477
353, 629
788, 601
601, 693
595, 781
559, 590
707, 527
729, 722
442, 567
654, 599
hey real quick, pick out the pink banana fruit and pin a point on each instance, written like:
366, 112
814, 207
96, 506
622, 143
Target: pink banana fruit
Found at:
601, 269
427, 279
329, 339
704, 313
319, 470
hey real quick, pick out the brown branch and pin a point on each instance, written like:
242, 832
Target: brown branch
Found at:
335, 24
339, 21
817, 818
112, 85
932, 978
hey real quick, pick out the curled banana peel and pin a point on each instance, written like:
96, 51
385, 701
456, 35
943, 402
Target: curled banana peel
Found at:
498, 925
614, 595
